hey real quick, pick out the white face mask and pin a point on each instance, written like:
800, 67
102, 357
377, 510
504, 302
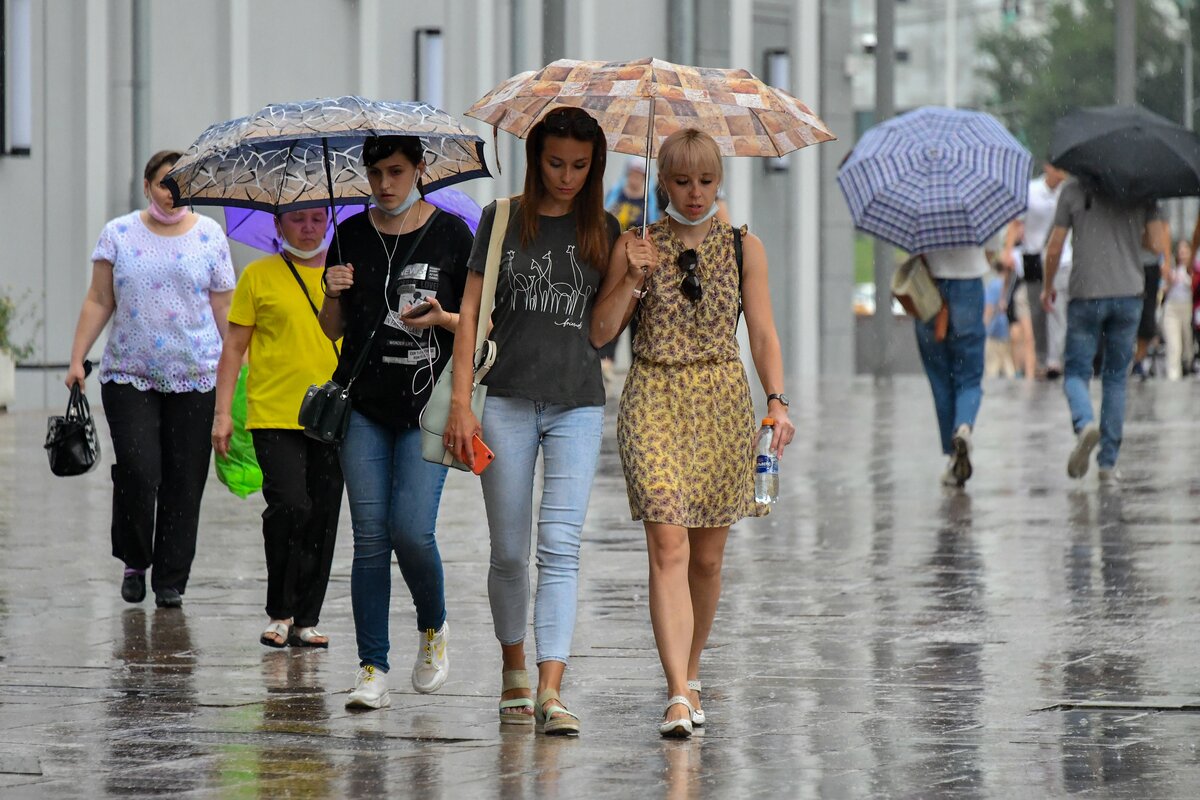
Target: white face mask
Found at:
682, 220
413, 196
303, 255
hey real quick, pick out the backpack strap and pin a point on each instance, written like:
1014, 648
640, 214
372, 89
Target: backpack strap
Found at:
737, 254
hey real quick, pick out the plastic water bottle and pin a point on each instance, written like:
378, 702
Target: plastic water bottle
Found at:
766, 465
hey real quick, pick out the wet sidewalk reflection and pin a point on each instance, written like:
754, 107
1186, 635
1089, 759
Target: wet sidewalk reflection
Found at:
879, 636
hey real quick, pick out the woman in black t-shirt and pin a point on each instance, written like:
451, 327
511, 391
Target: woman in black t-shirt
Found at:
393, 493
545, 393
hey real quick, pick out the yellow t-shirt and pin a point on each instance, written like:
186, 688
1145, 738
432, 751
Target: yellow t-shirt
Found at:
288, 351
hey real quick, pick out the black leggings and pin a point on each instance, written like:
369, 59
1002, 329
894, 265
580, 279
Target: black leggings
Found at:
302, 484
162, 442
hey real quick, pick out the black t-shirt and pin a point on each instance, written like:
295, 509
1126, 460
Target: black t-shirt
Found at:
404, 362
543, 312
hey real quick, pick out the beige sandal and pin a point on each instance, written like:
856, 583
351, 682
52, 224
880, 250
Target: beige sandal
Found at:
510, 710
567, 724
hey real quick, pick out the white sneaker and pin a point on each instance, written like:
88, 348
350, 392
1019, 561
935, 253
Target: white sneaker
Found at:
1085, 443
370, 689
432, 666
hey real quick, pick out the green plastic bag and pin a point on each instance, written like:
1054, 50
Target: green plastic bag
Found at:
239, 470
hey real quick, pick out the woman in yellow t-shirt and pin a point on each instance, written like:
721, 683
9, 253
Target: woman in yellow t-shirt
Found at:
275, 317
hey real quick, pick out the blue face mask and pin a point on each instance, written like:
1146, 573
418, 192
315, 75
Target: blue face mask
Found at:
682, 220
413, 196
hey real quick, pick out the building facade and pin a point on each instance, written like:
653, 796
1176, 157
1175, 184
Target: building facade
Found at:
108, 82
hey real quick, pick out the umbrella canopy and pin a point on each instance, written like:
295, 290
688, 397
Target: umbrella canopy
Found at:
289, 156
745, 116
936, 178
1127, 153
257, 228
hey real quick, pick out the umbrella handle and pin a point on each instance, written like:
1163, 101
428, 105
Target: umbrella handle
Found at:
646, 192
332, 210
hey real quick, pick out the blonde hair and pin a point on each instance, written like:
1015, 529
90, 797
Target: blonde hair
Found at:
690, 150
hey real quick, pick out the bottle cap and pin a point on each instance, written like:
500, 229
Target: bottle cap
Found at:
768, 422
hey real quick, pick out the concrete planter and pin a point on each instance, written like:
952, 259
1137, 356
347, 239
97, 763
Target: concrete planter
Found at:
8, 379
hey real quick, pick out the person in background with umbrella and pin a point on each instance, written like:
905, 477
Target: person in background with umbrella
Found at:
394, 493
1106, 288
274, 315
686, 428
942, 182
164, 277
545, 393
954, 364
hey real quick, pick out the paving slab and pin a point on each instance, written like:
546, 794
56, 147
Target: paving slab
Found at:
879, 636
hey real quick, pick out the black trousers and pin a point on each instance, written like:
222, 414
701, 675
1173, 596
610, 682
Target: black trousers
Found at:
162, 443
302, 484
1037, 315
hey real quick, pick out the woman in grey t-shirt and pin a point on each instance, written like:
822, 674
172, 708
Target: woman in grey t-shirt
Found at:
545, 393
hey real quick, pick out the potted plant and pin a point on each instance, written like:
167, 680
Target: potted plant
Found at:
11, 350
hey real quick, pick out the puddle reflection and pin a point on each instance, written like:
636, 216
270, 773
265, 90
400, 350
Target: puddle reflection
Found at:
153, 676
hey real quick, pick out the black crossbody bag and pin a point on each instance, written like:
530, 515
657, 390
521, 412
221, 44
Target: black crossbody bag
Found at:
325, 409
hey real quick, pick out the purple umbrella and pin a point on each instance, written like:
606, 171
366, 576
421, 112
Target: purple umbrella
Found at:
257, 228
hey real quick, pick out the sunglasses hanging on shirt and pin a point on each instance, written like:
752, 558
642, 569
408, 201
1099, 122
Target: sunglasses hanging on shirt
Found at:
690, 285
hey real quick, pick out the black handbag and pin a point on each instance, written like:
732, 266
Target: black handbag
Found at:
325, 409
71, 441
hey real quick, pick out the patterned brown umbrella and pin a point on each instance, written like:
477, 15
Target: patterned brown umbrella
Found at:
744, 115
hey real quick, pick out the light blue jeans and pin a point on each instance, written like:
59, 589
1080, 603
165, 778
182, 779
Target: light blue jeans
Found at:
394, 496
954, 365
569, 439
1110, 322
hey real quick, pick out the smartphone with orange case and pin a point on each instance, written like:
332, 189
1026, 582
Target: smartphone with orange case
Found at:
483, 454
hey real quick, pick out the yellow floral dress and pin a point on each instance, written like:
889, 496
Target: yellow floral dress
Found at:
686, 427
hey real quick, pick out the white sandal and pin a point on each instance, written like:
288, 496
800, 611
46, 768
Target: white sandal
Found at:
698, 718
306, 637
677, 728
280, 629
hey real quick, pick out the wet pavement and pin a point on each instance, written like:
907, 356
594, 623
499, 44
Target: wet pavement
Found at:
879, 636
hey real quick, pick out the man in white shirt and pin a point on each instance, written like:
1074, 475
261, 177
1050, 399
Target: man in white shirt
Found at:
1049, 328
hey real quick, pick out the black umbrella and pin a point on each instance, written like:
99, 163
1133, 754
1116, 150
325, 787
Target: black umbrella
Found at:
1127, 153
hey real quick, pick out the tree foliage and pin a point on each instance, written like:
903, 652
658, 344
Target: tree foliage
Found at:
1036, 76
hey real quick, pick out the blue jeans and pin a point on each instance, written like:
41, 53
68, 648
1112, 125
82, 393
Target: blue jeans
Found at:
569, 439
1112, 321
394, 497
954, 365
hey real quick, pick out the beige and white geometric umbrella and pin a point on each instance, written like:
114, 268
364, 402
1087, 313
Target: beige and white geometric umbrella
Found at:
745, 116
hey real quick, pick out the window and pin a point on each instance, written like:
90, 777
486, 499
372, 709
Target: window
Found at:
778, 73
429, 69
16, 77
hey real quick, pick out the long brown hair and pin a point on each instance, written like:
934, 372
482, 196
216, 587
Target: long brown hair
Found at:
591, 227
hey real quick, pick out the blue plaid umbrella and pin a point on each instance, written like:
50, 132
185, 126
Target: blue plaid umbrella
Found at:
936, 178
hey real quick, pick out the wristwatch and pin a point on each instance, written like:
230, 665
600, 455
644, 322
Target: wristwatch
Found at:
780, 396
